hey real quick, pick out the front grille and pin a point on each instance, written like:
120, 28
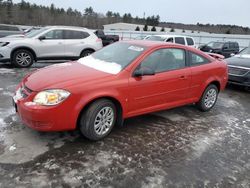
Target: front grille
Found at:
237, 71
25, 91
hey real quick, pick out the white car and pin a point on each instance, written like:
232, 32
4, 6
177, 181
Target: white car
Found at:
178, 39
49, 43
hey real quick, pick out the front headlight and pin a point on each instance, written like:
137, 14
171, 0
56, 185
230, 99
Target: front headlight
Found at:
2, 44
51, 97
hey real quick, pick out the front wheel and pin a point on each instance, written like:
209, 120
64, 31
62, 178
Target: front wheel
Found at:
22, 58
208, 98
98, 120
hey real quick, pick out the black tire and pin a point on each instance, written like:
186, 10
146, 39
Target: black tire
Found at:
90, 116
204, 103
86, 53
22, 58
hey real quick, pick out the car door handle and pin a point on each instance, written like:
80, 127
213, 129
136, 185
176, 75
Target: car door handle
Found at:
183, 77
60, 43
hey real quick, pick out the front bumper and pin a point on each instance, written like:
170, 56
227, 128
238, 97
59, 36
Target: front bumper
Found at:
44, 118
5, 53
239, 80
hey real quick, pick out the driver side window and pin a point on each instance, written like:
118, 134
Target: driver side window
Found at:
54, 35
164, 60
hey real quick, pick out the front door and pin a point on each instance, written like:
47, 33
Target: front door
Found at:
167, 88
51, 46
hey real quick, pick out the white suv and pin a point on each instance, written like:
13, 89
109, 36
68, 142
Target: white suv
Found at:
178, 39
49, 43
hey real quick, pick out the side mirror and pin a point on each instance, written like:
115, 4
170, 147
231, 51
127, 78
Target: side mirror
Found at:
42, 38
146, 72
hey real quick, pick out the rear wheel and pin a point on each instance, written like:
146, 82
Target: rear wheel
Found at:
98, 120
208, 98
22, 58
86, 53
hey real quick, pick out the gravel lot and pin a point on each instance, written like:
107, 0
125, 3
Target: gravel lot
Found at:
176, 148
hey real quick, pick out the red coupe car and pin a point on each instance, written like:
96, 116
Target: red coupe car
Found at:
122, 80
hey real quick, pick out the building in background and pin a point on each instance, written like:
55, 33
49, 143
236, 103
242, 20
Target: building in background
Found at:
132, 27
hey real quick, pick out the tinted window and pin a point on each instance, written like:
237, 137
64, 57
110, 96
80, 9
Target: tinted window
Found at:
226, 45
165, 60
75, 34
190, 41
54, 34
236, 45
155, 38
215, 45
179, 40
231, 45
197, 59
170, 40
8, 28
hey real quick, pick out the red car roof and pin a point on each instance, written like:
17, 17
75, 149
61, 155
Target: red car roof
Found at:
152, 44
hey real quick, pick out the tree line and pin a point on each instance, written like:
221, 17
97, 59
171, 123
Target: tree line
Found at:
25, 13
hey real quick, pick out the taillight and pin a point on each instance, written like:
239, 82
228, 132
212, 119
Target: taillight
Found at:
98, 40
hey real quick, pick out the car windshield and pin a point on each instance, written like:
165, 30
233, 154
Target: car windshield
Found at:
215, 45
155, 38
34, 33
113, 58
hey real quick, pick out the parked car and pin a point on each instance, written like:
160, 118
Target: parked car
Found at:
239, 68
6, 30
122, 80
54, 42
30, 29
178, 39
106, 39
227, 49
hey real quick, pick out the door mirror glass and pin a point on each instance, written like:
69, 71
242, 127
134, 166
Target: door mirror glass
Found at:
144, 72
42, 38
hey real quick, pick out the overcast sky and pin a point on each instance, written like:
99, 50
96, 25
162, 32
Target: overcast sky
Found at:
181, 11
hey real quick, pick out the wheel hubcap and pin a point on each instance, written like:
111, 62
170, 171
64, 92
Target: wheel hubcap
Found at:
104, 120
210, 98
23, 59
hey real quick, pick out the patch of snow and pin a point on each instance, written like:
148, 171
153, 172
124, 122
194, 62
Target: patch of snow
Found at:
6, 71
13, 147
228, 103
61, 65
202, 144
104, 66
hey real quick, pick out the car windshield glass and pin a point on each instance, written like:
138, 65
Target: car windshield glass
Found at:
215, 45
35, 33
113, 58
246, 51
155, 38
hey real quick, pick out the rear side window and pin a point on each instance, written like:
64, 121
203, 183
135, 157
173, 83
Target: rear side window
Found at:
196, 59
231, 45
68, 34
180, 40
236, 45
190, 41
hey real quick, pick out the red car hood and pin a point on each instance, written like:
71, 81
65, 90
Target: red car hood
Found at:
62, 76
